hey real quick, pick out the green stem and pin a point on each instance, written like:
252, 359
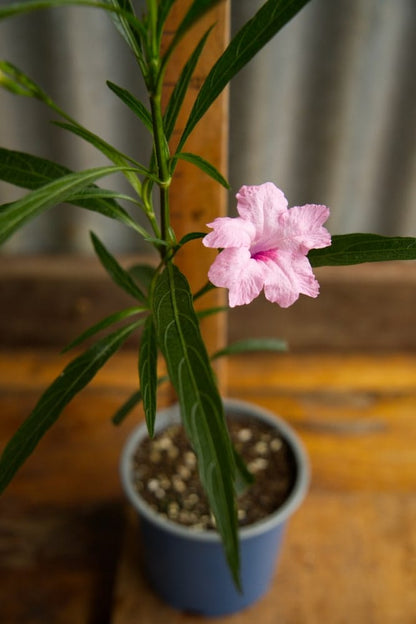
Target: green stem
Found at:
152, 31
162, 158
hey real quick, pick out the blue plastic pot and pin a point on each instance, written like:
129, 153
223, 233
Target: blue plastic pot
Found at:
186, 567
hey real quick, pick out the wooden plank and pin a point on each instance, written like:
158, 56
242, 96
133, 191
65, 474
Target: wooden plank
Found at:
360, 308
275, 375
49, 301
195, 198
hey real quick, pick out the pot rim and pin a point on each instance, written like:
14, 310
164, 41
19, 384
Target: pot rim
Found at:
170, 415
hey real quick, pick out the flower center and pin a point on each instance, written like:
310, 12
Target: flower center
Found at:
265, 255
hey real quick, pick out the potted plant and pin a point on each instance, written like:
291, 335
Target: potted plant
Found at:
182, 553
268, 247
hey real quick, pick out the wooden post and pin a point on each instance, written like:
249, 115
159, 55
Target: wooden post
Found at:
196, 199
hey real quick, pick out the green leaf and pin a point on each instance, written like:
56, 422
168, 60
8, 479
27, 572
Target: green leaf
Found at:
244, 476
179, 92
197, 10
202, 411
357, 248
134, 104
108, 150
95, 192
15, 81
201, 314
131, 403
28, 171
163, 12
148, 373
71, 381
126, 408
19, 212
190, 237
143, 275
105, 148
18, 8
112, 153
203, 290
204, 165
253, 36
32, 172
249, 345
103, 324
129, 29
119, 275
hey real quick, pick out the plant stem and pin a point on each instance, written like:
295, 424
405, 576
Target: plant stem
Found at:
162, 158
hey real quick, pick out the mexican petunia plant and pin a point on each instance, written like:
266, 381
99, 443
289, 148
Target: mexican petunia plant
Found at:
267, 247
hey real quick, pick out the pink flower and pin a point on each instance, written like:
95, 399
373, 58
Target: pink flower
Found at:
266, 247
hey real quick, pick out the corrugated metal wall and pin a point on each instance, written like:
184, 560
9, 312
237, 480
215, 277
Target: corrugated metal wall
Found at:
326, 111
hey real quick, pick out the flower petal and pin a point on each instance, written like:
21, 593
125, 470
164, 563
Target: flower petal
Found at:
229, 232
302, 228
289, 276
236, 270
261, 205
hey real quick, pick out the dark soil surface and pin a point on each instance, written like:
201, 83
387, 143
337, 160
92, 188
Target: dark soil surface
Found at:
166, 475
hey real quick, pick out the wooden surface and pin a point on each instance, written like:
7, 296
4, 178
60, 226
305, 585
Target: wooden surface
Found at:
349, 554
364, 307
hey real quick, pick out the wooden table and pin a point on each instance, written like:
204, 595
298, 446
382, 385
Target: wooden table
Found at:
67, 548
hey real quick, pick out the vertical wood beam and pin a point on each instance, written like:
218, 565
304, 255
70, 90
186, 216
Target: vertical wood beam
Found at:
196, 199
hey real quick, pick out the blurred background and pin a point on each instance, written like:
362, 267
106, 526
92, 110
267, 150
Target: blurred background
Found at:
326, 111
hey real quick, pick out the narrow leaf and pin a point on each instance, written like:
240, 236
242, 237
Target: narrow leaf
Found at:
190, 237
203, 290
244, 476
253, 36
130, 28
178, 94
148, 373
119, 275
163, 12
14, 80
28, 171
103, 324
250, 345
134, 104
108, 150
197, 10
357, 248
204, 165
143, 275
112, 153
126, 408
202, 411
71, 381
131, 403
32, 172
95, 192
19, 212
18, 8
201, 314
